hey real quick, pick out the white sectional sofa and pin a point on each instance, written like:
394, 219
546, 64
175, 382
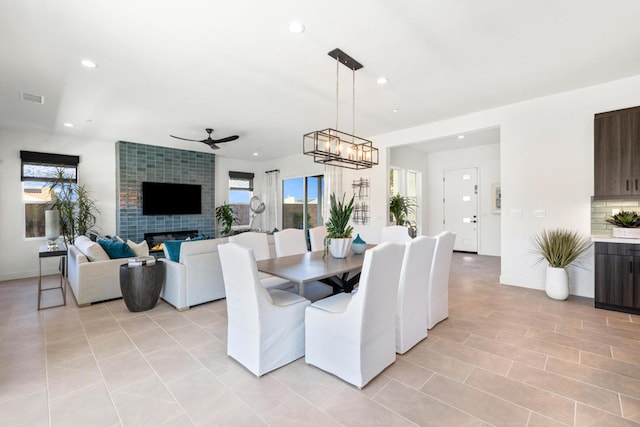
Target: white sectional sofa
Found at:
196, 277
93, 281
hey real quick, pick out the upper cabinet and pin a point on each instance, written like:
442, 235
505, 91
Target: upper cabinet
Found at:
617, 153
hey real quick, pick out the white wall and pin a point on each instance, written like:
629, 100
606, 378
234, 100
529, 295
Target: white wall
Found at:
487, 159
19, 257
546, 163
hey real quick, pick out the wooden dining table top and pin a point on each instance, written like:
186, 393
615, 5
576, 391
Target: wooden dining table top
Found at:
311, 266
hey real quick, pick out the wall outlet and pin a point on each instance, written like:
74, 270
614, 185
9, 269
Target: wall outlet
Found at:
515, 212
538, 213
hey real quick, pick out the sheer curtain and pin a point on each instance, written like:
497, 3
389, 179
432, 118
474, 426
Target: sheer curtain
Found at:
271, 200
332, 184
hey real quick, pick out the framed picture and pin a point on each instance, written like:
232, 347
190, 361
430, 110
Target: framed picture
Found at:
496, 198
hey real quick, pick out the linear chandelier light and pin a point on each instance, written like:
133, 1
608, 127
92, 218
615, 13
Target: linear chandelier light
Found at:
333, 147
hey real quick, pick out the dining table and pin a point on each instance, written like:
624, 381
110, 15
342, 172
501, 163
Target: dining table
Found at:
342, 274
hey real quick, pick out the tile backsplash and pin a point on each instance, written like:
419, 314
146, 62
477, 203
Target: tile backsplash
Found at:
136, 163
602, 209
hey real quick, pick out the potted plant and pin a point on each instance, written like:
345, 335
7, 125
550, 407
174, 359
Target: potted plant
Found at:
339, 231
627, 224
400, 207
74, 204
226, 217
559, 248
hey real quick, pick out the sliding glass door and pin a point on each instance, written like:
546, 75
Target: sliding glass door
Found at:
302, 202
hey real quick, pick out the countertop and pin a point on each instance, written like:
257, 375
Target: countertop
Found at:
610, 239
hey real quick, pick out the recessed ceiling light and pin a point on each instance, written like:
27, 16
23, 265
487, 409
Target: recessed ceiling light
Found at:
460, 136
88, 63
69, 125
296, 27
395, 110
382, 80
255, 154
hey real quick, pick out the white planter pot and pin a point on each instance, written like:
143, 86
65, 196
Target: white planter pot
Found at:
626, 233
339, 248
557, 283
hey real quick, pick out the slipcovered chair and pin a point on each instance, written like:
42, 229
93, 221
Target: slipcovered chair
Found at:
265, 326
411, 311
395, 233
316, 237
438, 298
260, 245
352, 335
292, 241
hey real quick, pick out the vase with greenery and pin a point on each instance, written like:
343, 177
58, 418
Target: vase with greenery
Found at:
560, 248
626, 224
339, 231
401, 207
226, 217
78, 210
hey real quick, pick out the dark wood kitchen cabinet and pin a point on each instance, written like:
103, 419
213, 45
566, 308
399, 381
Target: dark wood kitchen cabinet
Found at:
617, 277
617, 153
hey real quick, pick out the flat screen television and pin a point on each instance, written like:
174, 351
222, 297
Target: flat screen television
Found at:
163, 198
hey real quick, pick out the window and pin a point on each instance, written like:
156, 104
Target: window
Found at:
302, 202
406, 183
240, 193
37, 172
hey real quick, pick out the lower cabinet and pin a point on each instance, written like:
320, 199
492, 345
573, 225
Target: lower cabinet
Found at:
617, 279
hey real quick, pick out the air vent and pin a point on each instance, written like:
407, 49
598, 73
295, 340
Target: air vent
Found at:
29, 97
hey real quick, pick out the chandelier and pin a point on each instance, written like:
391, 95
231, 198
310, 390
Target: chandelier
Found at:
336, 148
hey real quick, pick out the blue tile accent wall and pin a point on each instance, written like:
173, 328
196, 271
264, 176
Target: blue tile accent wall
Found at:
136, 163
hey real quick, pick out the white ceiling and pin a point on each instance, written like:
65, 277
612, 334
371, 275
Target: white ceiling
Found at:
169, 67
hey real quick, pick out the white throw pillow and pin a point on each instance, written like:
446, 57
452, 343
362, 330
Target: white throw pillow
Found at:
140, 249
91, 250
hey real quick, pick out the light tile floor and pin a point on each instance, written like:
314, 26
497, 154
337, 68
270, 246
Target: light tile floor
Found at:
506, 356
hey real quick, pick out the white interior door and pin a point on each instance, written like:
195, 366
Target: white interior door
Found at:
461, 207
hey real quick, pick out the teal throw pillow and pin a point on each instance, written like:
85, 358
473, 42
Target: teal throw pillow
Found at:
173, 247
116, 249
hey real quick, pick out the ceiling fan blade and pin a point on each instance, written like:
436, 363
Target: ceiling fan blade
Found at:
185, 139
211, 144
227, 139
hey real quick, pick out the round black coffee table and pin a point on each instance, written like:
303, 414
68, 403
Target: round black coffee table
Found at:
141, 285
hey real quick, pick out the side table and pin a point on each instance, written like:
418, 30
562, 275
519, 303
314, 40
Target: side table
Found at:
141, 285
61, 252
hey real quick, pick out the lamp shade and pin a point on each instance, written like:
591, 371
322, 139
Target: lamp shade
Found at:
52, 224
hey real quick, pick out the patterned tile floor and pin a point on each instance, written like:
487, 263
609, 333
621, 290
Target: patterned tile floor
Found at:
506, 356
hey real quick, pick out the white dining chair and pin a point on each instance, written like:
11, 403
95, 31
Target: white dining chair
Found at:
259, 243
395, 233
352, 335
316, 237
438, 298
290, 241
265, 327
411, 309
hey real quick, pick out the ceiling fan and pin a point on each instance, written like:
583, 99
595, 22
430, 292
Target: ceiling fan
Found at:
210, 141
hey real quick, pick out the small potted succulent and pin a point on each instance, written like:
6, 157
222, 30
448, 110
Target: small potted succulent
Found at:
626, 224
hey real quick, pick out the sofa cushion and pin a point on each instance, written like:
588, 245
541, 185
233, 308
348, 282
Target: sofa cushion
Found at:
140, 249
91, 250
172, 248
116, 249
